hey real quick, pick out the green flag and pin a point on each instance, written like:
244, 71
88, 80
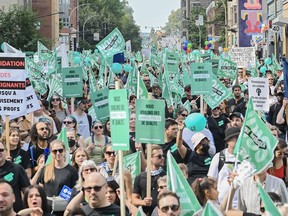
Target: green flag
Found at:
140, 211
177, 183
227, 68
132, 162
43, 52
211, 210
143, 92
255, 143
270, 207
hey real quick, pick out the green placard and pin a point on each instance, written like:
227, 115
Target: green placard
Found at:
227, 68
201, 82
206, 57
100, 103
171, 62
219, 93
150, 121
215, 63
72, 82
119, 119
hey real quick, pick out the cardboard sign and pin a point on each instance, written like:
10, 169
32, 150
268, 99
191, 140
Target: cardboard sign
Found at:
150, 121
12, 84
72, 83
101, 103
171, 62
119, 119
201, 82
259, 92
244, 57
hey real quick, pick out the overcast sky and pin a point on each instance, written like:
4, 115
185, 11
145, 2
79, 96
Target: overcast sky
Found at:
152, 13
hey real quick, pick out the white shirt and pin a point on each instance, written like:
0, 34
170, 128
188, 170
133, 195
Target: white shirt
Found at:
83, 125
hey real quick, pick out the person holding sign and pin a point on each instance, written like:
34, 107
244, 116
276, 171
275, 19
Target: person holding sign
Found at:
56, 104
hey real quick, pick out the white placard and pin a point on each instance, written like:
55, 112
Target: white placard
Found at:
243, 56
259, 92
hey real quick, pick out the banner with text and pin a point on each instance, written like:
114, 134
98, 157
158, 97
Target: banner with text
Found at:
227, 68
244, 57
100, 103
259, 92
72, 83
201, 81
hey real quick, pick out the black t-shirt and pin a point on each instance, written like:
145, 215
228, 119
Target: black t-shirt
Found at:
198, 165
21, 157
34, 152
16, 176
232, 103
105, 211
65, 176
217, 127
140, 188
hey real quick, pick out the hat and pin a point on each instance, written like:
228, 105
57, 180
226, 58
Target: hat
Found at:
231, 132
196, 139
237, 114
280, 93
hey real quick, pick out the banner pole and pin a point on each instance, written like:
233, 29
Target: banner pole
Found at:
201, 104
149, 157
121, 170
72, 105
7, 130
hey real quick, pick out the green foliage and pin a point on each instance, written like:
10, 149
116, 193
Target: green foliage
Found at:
174, 22
193, 29
113, 13
18, 27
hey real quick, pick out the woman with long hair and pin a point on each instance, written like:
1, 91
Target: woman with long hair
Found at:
78, 157
107, 128
35, 202
56, 104
56, 175
95, 143
181, 114
70, 123
18, 155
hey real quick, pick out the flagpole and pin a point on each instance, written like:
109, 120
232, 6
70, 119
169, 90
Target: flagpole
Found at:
7, 130
149, 158
138, 82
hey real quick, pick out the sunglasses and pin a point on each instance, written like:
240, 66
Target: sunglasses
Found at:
89, 169
174, 208
57, 150
95, 188
110, 153
147, 81
42, 129
216, 108
84, 101
162, 187
184, 115
67, 122
55, 99
2, 150
98, 127
160, 156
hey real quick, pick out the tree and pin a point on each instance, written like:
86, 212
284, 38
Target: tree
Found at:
18, 27
107, 15
173, 26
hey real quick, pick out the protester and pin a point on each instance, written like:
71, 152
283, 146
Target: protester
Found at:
56, 104
237, 98
7, 198
78, 157
70, 123
168, 204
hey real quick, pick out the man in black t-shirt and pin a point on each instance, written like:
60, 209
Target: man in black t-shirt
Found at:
15, 175
95, 189
237, 99
7, 197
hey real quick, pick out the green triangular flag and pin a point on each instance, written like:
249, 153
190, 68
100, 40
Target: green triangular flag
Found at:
255, 143
270, 208
43, 52
140, 211
178, 184
139, 57
132, 162
143, 92
211, 210
63, 137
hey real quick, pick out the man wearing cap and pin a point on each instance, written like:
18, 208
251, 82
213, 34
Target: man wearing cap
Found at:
236, 119
194, 101
84, 121
241, 108
223, 162
198, 160
237, 99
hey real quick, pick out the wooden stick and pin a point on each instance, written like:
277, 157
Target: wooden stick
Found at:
149, 156
72, 105
7, 129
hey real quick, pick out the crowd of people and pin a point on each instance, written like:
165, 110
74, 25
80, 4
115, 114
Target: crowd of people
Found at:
35, 171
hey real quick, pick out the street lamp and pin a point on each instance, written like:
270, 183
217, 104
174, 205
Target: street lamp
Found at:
85, 24
47, 15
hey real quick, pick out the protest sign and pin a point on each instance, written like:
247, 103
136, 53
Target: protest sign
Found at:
244, 57
119, 119
111, 44
259, 92
211, 210
206, 57
227, 68
12, 84
132, 162
72, 83
150, 121
128, 46
171, 62
255, 143
201, 74
100, 103
177, 183
219, 93
215, 64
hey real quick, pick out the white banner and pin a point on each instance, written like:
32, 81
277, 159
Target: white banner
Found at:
259, 92
243, 56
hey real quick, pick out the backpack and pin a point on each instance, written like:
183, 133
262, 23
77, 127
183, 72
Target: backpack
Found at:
221, 160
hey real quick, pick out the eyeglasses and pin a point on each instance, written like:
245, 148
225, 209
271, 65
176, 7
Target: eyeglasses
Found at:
110, 153
89, 169
54, 151
174, 208
55, 99
42, 129
162, 187
160, 156
67, 122
216, 108
96, 127
184, 115
95, 188
2, 150
84, 101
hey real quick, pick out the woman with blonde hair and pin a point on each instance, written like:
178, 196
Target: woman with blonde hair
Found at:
56, 175
78, 157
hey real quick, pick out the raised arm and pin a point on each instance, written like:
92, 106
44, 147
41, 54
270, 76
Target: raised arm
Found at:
179, 141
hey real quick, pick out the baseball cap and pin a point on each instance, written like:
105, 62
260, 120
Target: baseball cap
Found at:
231, 132
237, 114
196, 139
